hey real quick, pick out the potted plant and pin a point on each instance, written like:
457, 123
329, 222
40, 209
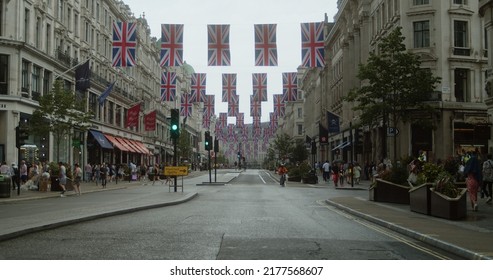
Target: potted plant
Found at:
447, 200
419, 196
294, 174
391, 187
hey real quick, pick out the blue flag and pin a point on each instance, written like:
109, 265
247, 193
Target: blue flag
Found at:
105, 94
333, 123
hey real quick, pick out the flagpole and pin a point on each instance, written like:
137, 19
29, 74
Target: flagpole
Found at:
70, 69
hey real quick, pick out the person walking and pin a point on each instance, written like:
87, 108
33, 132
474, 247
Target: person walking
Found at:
77, 178
88, 171
62, 178
23, 172
14, 171
4, 168
357, 173
472, 171
143, 174
326, 171
335, 173
103, 174
488, 178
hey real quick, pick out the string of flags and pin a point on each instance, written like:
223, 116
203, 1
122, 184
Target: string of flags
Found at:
219, 54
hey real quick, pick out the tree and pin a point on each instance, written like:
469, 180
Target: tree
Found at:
394, 84
300, 153
59, 112
183, 144
282, 147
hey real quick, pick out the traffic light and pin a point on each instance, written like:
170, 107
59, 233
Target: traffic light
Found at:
21, 135
175, 124
358, 140
207, 141
216, 145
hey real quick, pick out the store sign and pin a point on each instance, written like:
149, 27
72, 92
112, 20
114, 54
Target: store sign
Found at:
176, 170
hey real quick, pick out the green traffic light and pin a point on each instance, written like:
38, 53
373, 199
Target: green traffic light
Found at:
174, 127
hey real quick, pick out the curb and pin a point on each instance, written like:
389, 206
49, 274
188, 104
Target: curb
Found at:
54, 225
413, 234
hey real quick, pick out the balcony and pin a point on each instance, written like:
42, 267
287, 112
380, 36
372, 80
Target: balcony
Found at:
462, 51
65, 59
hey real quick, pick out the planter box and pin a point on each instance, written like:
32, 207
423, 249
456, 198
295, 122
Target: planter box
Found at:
294, 178
448, 208
419, 198
310, 178
384, 191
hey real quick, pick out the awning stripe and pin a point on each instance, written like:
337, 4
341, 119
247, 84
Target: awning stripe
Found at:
116, 143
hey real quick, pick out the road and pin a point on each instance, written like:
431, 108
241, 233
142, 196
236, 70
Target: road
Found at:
252, 218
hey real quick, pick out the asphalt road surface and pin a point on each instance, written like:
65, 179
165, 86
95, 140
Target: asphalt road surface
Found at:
252, 218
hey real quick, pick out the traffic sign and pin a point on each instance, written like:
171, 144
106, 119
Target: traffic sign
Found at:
175, 170
392, 131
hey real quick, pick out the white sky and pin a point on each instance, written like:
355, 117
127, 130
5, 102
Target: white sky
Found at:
241, 16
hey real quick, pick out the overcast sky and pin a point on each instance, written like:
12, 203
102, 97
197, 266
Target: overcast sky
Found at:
241, 16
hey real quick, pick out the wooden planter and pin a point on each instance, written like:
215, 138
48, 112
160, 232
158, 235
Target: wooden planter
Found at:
419, 198
385, 191
310, 179
448, 208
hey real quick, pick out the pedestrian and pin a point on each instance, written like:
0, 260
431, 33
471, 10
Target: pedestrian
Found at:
157, 172
357, 173
143, 174
14, 171
488, 178
97, 173
472, 171
335, 173
62, 178
326, 171
23, 172
88, 171
342, 173
103, 174
4, 168
77, 178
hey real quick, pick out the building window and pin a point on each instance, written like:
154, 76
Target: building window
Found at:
485, 51
4, 74
48, 39
1, 17
26, 24
93, 104
46, 82
36, 82
111, 112
76, 24
421, 34
300, 129
461, 85
25, 77
37, 36
421, 2
461, 38
118, 116
300, 113
460, 2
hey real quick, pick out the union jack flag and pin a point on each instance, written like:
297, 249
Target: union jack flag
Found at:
219, 54
198, 87
229, 87
256, 121
265, 45
223, 119
290, 86
209, 105
206, 122
217, 129
259, 86
312, 44
255, 107
168, 86
233, 106
172, 45
273, 121
279, 106
186, 105
124, 44
240, 120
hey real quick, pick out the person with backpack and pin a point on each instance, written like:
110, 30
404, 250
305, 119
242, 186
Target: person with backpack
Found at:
487, 178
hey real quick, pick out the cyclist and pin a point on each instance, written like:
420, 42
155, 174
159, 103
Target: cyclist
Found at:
282, 170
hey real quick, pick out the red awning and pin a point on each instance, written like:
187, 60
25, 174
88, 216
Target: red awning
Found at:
125, 142
143, 148
116, 143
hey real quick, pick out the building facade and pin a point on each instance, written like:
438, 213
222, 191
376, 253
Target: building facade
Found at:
46, 40
449, 37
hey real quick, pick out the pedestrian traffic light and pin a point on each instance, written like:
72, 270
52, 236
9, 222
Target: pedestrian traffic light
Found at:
207, 142
175, 124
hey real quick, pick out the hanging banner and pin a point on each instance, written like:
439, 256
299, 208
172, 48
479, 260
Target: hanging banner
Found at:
133, 116
150, 121
333, 123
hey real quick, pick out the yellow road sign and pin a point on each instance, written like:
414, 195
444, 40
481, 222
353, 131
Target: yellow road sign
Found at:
176, 170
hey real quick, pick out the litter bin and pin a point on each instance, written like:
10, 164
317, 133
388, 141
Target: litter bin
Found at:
5, 186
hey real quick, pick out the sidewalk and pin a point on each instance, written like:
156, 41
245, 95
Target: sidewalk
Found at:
470, 238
